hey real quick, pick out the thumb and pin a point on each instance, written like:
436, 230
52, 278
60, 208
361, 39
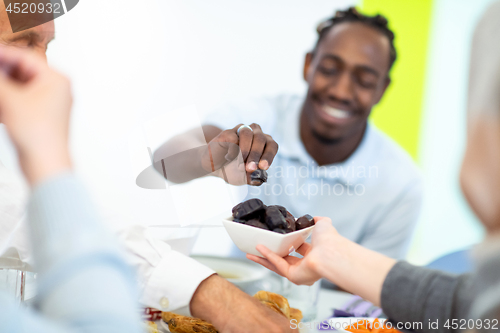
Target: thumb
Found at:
322, 225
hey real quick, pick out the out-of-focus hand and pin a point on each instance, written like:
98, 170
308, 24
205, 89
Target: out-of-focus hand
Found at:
306, 270
240, 154
35, 104
232, 311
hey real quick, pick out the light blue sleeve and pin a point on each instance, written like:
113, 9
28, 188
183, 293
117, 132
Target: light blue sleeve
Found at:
390, 232
261, 111
85, 284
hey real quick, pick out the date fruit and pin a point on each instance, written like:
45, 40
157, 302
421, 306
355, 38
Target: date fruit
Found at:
248, 209
258, 177
303, 222
274, 218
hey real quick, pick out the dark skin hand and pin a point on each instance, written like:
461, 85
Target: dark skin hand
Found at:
228, 155
232, 311
347, 75
257, 148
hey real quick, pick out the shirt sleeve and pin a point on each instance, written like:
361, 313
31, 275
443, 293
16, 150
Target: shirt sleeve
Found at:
390, 233
412, 294
486, 305
84, 283
167, 278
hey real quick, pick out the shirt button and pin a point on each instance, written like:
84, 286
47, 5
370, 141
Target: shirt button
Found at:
164, 302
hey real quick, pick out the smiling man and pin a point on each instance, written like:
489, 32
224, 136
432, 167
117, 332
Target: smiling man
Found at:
331, 161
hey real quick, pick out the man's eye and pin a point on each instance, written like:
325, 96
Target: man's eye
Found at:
22, 43
367, 84
367, 81
327, 70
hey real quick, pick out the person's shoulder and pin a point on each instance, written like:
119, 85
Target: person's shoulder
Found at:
394, 161
263, 110
287, 102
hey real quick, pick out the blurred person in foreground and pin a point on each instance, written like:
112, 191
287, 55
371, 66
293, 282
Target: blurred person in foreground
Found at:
84, 285
331, 161
414, 294
168, 280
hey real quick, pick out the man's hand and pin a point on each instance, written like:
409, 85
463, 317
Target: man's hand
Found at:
232, 311
35, 104
240, 155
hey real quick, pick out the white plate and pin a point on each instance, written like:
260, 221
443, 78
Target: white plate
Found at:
234, 270
247, 238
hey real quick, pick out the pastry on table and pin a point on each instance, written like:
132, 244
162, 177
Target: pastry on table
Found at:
182, 324
151, 327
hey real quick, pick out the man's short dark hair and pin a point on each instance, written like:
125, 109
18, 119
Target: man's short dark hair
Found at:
377, 22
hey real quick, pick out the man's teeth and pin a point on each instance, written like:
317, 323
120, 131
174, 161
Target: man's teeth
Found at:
336, 112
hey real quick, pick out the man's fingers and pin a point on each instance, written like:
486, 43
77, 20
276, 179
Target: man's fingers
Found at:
20, 65
270, 151
245, 138
258, 145
224, 148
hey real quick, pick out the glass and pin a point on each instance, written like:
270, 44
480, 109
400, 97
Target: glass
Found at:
15, 280
304, 298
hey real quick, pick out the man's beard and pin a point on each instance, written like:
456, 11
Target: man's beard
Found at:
325, 140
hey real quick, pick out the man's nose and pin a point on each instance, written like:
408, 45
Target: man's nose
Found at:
342, 89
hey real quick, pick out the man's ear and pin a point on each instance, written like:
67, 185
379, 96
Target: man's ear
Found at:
307, 63
382, 91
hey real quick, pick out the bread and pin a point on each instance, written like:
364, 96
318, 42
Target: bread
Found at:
280, 301
296, 314
183, 324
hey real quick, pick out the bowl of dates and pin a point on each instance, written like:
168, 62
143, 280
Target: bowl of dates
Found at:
254, 223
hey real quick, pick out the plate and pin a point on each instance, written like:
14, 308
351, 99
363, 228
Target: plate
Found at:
234, 270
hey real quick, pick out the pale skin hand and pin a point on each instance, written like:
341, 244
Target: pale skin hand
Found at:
331, 256
35, 104
232, 311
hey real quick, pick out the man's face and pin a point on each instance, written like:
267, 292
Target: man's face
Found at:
36, 39
347, 76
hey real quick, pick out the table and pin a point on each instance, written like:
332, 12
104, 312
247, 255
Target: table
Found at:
328, 299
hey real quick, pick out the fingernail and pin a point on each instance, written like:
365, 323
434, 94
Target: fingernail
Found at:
252, 166
264, 165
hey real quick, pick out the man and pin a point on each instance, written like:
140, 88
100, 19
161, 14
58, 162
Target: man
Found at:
87, 287
168, 280
331, 162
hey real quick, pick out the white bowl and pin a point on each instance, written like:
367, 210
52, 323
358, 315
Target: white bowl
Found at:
247, 238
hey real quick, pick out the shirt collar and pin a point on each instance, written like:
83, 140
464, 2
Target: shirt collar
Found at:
354, 170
